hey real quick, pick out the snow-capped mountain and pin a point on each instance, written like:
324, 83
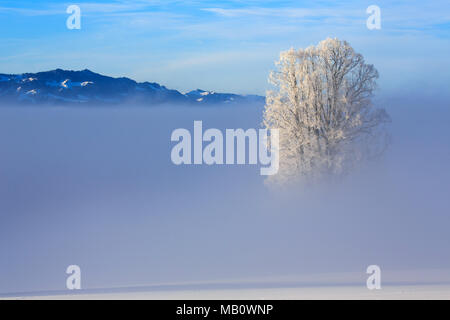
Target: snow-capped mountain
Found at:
85, 87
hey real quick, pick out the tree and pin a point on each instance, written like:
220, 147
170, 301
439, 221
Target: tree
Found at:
321, 103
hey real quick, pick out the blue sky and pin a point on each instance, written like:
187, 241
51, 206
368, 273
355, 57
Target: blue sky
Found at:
223, 45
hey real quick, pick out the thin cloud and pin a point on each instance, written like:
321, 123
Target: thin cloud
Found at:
282, 12
33, 12
86, 7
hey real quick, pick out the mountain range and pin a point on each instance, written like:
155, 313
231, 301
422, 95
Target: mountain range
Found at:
64, 87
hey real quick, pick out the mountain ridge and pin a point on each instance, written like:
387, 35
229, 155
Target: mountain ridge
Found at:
85, 87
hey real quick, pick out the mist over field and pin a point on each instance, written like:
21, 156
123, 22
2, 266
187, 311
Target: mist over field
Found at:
96, 187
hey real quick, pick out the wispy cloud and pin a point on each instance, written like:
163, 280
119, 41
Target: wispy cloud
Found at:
33, 12
282, 12
118, 6
401, 17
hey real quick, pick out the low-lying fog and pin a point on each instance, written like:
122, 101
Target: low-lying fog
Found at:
96, 187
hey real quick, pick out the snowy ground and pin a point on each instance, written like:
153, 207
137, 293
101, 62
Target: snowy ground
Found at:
339, 292
400, 284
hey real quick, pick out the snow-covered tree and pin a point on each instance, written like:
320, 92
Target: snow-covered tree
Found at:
322, 105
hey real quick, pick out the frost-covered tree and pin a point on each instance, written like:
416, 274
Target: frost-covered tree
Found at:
322, 105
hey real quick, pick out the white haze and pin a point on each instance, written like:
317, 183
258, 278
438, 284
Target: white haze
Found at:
96, 187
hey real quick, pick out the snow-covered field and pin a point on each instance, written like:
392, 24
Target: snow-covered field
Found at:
432, 292
405, 284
